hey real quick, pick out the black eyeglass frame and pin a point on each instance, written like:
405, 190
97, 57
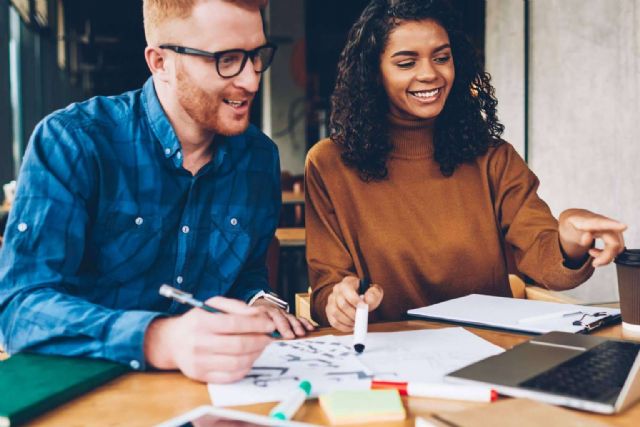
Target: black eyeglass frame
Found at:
246, 54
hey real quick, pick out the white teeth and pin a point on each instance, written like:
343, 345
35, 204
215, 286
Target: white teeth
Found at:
234, 103
426, 93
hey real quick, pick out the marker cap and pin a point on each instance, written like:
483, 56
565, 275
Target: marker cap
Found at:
305, 386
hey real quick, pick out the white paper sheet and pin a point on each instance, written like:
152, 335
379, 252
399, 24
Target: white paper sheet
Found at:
422, 356
512, 313
324, 361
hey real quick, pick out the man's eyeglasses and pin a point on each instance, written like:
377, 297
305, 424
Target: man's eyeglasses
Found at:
230, 63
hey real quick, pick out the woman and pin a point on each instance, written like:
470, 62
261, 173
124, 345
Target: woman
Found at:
415, 191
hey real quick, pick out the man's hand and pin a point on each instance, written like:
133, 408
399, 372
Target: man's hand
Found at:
343, 300
287, 324
579, 227
210, 347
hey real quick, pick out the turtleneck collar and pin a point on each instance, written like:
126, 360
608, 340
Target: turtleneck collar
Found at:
411, 139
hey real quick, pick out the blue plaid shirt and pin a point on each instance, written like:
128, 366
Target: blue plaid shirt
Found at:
105, 213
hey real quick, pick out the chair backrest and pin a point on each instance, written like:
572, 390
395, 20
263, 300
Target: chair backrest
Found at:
518, 287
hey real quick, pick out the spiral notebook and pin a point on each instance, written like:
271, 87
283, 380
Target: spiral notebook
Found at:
529, 316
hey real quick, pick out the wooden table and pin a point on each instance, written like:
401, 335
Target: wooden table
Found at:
143, 399
294, 237
292, 197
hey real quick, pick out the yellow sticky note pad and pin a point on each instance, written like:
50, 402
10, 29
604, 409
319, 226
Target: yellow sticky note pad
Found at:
347, 407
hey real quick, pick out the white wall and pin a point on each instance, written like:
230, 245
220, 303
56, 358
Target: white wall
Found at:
584, 107
504, 46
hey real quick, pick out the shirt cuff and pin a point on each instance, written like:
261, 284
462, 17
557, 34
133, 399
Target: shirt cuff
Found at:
125, 342
257, 295
249, 295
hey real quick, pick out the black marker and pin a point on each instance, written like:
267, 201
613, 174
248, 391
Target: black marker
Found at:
362, 318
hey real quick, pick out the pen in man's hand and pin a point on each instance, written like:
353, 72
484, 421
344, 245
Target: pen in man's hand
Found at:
186, 298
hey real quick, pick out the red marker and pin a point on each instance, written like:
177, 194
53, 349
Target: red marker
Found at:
440, 391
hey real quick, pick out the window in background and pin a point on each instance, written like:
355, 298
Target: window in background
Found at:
61, 46
41, 13
6, 138
15, 81
23, 7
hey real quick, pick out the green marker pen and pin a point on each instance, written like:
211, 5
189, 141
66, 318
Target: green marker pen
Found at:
290, 405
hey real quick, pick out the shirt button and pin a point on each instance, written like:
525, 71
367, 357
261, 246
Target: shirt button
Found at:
185, 229
179, 155
139, 220
234, 221
22, 227
167, 151
134, 364
179, 280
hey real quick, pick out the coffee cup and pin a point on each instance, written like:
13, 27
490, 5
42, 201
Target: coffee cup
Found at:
628, 268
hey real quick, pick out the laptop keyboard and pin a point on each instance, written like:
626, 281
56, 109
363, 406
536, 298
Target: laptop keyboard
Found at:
597, 374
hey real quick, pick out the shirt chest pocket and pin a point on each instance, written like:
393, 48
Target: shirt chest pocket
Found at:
229, 249
128, 246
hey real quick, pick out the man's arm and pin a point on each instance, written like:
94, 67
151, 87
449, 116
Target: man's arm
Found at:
43, 249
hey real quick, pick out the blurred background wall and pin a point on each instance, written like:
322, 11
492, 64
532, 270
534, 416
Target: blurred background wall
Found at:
581, 104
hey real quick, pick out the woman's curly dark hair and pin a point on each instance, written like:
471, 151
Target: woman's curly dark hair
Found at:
465, 128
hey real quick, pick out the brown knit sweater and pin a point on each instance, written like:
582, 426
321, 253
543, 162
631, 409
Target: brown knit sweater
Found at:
423, 237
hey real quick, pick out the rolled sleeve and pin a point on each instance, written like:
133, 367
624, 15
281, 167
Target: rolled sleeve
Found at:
125, 339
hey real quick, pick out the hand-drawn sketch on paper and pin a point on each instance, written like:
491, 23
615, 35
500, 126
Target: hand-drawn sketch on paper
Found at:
327, 363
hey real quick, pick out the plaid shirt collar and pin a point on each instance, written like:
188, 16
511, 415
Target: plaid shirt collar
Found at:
166, 136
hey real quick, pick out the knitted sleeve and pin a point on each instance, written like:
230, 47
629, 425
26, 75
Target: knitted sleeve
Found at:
528, 224
328, 258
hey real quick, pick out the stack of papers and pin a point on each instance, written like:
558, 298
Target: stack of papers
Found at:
331, 364
422, 356
522, 315
325, 362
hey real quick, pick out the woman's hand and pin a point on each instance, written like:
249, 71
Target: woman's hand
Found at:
579, 227
342, 303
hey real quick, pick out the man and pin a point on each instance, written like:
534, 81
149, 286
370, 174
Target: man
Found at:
167, 184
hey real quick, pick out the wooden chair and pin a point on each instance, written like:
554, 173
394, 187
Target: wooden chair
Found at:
303, 306
519, 289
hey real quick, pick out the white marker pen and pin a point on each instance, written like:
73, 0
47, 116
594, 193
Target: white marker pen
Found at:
362, 318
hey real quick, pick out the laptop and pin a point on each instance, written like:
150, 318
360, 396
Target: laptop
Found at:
579, 371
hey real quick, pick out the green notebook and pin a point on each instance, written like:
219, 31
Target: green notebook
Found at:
34, 383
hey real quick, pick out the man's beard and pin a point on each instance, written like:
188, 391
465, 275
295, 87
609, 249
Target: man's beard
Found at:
204, 109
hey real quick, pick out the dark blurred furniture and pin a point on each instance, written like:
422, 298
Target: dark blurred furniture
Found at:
273, 263
292, 214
